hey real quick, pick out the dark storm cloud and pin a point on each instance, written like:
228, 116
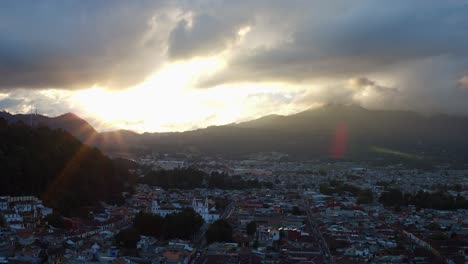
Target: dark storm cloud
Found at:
353, 40
115, 44
74, 44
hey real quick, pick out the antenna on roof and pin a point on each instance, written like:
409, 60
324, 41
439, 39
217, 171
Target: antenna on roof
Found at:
33, 116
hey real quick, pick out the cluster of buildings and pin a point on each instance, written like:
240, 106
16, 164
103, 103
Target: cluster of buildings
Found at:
161, 202
372, 233
28, 237
22, 212
340, 229
292, 222
206, 210
283, 233
19, 216
361, 233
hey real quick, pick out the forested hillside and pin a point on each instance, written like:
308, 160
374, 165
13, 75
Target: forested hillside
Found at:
57, 167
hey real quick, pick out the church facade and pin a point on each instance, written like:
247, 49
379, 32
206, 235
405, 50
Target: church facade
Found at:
202, 208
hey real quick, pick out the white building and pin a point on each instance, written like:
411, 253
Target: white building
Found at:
12, 216
45, 210
208, 214
14, 220
202, 208
157, 209
24, 207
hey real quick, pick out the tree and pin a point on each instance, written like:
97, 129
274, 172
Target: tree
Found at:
55, 220
128, 238
221, 203
251, 228
433, 226
149, 224
255, 244
392, 197
189, 178
183, 224
296, 210
422, 199
180, 178
324, 189
365, 197
219, 231
57, 167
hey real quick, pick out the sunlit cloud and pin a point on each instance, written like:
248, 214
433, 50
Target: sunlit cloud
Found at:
463, 82
167, 102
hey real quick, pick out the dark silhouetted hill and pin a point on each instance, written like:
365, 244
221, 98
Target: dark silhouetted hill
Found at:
317, 133
55, 166
70, 122
331, 131
79, 128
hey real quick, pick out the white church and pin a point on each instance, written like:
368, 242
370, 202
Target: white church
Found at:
201, 207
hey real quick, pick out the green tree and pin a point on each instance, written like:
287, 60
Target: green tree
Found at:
221, 203
251, 228
57, 167
392, 197
183, 224
180, 178
128, 238
55, 220
219, 231
365, 197
433, 226
324, 189
149, 224
296, 210
255, 244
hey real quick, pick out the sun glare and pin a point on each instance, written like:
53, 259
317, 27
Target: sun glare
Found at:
244, 31
169, 101
164, 98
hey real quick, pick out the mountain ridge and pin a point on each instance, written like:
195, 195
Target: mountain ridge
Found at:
311, 133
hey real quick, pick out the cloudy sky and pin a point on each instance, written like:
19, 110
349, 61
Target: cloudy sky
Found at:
183, 64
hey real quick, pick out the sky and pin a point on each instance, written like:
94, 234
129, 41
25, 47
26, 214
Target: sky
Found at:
185, 64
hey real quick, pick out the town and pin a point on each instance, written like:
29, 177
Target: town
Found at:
262, 210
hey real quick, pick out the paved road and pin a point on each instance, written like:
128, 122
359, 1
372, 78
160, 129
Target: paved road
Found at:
323, 244
200, 237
